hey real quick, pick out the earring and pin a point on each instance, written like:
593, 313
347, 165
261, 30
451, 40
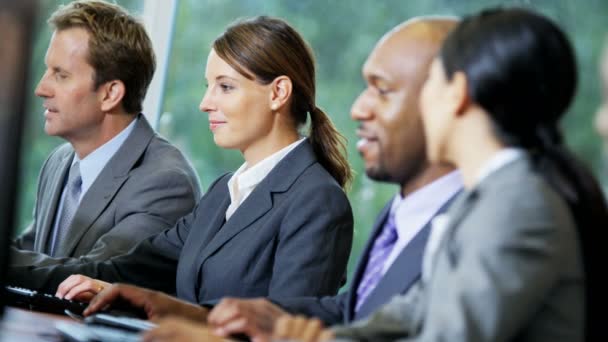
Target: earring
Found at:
273, 107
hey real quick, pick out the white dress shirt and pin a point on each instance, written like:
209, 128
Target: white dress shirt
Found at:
417, 209
245, 179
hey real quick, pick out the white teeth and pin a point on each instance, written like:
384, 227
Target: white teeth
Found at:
362, 142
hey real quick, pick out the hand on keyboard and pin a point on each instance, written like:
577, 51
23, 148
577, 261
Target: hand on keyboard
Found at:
37, 301
174, 329
80, 287
128, 323
156, 304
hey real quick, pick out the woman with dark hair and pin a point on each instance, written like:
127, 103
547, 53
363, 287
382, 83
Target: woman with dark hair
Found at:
517, 256
531, 222
281, 225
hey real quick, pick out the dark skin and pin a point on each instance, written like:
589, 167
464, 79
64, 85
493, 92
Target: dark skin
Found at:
155, 304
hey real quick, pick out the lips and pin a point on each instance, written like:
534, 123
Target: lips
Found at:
215, 124
49, 110
366, 139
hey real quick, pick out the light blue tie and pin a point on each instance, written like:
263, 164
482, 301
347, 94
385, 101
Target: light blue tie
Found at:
71, 200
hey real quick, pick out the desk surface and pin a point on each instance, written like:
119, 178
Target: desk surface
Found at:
22, 325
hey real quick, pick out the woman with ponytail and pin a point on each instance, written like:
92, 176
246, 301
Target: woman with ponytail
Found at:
519, 254
280, 226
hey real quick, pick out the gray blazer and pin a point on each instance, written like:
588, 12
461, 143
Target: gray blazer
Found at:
508, 268
290, 237
146, 186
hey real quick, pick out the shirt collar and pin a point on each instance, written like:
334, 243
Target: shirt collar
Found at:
92, 165
417, 209
498, 160
428, 199
248, 178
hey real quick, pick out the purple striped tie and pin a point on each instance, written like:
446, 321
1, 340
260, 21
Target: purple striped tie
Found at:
385, 241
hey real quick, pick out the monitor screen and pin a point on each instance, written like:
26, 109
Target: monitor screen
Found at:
16, 23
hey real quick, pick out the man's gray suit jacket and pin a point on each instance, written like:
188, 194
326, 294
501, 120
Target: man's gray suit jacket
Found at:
400, 276
143, 189
290, 237
508, 268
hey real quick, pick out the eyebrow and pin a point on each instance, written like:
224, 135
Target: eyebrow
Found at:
375, 78
221, 77
59, 70
372, 74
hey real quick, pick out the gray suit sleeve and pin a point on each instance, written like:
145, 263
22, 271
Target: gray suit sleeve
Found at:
152, 263
150, 205
396, 319
313, 244
27, 239
329, 309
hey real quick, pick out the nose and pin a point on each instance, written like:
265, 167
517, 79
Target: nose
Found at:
362, 107
43, 89
601, 121
206, 104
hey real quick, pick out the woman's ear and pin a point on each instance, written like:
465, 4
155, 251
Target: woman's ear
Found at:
280, 92
111, 94
459, 93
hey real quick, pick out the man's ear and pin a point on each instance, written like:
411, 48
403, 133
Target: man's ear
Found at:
111, 93
280, 92
459, 93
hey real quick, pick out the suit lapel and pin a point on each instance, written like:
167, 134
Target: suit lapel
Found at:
352, 292
260, 201
107, 184
405, 270
464, 203
210, 219
48, 213
255, 206
456, 214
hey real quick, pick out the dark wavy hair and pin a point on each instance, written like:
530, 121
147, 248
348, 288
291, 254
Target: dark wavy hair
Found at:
521, 70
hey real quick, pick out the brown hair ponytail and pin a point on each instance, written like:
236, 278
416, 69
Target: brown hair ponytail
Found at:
329, 146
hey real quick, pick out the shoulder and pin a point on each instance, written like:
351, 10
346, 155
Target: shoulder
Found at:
56, 158
520, 204
524, 190
221, 183
162, 159
163, 152
60, 152
316, 191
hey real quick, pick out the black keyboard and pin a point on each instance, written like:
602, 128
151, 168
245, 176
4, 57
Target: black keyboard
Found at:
36, 301
86, 333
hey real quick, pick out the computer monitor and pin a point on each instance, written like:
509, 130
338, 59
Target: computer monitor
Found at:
16, 23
